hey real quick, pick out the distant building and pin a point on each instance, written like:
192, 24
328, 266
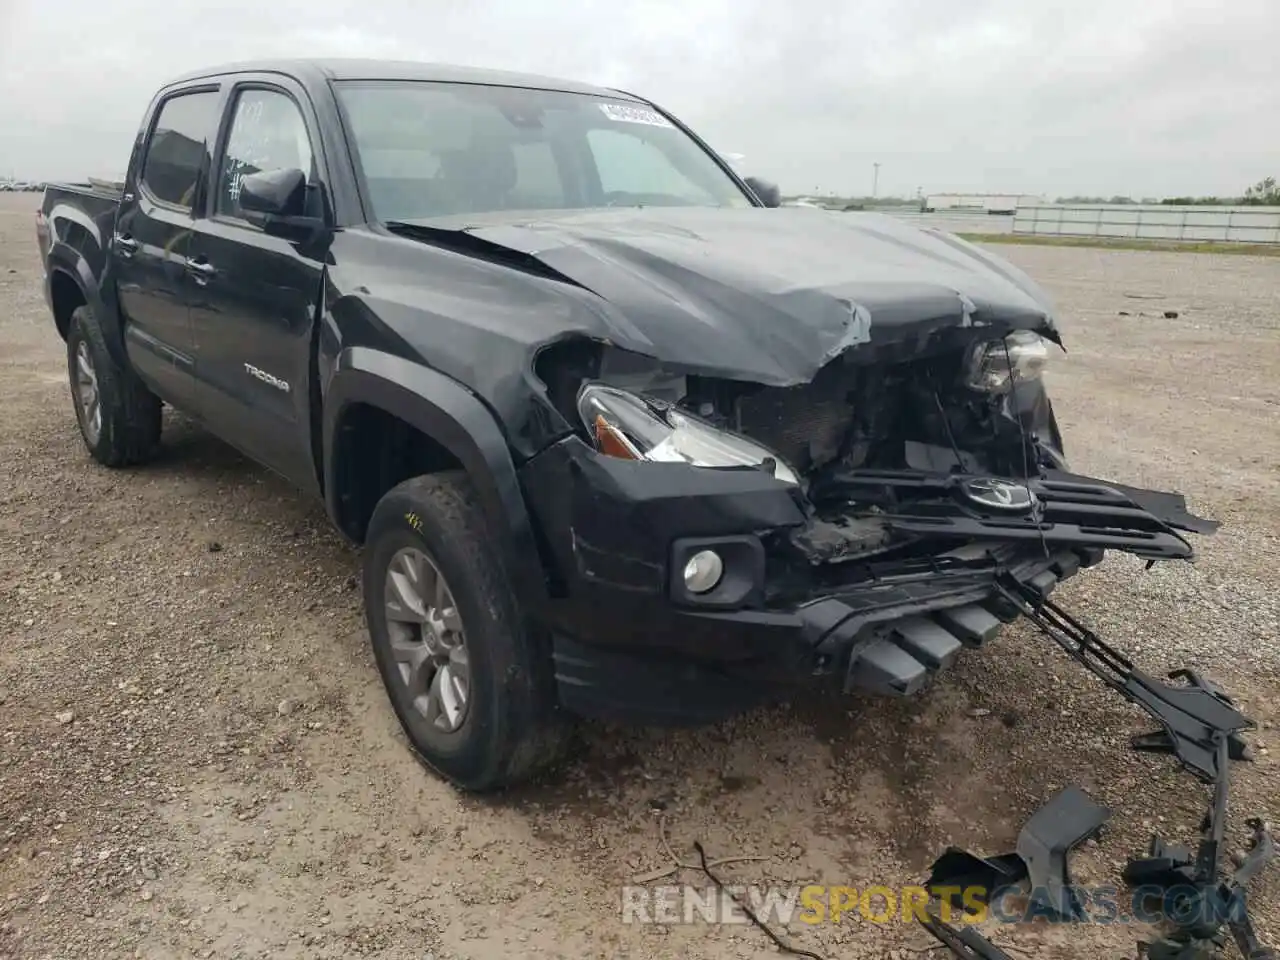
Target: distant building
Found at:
993, 203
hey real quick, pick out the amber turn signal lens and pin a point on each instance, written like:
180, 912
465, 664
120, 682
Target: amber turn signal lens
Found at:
610, 440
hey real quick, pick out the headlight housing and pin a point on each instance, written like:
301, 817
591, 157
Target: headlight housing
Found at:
627, 426
997, 366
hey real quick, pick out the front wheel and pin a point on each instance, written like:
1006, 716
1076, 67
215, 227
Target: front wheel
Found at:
468, 678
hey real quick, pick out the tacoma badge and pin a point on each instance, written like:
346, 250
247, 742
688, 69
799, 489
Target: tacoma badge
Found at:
265, 377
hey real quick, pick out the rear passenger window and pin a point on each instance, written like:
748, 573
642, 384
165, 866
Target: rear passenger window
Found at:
176, 153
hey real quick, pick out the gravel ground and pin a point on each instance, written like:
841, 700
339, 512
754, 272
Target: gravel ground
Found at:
196, 758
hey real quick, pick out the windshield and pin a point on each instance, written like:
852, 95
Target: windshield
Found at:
439, 149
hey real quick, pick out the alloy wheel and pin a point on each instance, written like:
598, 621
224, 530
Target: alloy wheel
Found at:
427, 640
88, 399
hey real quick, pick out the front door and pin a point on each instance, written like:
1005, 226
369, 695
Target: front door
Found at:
255, 297
152, 236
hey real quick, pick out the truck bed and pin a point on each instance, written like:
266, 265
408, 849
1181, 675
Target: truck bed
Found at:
76, 222
97, 188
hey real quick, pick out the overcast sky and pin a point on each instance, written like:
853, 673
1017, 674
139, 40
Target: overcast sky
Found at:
1140, 97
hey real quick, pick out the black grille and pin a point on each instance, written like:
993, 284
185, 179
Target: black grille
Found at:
805, 425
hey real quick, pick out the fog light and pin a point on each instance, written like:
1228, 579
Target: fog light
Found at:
703, 571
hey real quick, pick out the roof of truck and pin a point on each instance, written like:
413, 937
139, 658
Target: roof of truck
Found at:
314, 70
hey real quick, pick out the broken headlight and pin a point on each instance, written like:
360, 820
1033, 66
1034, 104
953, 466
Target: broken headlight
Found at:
996, 366
625, 425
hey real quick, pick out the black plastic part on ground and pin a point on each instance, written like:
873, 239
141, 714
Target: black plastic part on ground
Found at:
1201, 727
966, 943
1193, 881
1059, 826
1193, 715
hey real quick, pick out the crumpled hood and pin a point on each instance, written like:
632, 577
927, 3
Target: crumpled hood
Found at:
768, 295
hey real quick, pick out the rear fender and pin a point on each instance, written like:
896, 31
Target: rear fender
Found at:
65, 259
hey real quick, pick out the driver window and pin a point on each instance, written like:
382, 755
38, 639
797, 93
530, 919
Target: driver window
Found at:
630, 165
267, 133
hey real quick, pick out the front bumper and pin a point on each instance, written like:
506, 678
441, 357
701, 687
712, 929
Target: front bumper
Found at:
629, 644
888, 639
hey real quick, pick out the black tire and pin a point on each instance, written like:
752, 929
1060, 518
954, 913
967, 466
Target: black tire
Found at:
512, 728
129, 427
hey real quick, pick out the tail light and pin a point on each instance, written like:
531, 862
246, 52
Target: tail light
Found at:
42, 231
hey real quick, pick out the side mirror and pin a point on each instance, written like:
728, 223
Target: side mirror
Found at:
277, 200
274, 193
767, 192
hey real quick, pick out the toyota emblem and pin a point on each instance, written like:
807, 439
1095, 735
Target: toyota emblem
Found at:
1000, 495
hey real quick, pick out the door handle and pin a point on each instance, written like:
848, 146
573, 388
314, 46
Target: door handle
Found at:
125, 244
202, 270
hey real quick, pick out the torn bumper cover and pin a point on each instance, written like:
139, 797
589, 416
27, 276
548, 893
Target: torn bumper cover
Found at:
633, 642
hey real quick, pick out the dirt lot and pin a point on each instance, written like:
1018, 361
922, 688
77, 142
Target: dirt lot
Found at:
196, 758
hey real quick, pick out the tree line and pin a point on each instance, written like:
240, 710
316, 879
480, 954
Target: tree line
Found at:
1264, 193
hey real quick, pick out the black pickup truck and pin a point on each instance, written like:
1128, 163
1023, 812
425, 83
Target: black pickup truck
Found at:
619, 434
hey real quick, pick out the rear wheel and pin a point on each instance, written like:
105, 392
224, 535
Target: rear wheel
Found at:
119, 418
469, 679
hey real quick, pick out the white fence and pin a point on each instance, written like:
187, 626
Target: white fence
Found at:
1221, 224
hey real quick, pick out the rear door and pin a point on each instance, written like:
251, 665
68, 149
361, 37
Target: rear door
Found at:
152, 236
255, 300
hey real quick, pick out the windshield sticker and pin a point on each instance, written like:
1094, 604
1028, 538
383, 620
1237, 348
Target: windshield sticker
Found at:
634, 113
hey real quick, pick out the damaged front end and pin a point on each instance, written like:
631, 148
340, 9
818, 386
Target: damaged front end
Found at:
711, 537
